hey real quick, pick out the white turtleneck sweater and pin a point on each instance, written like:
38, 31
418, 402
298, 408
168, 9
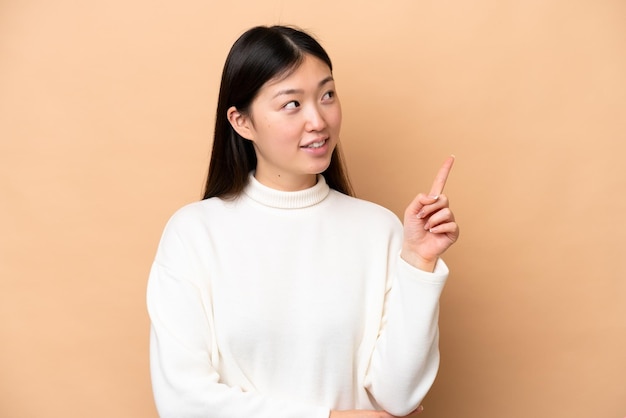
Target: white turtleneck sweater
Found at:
287, 305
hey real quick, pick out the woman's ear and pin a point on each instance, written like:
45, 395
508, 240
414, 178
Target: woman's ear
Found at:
241, 123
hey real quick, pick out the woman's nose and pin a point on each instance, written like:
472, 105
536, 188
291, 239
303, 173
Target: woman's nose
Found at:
315, 120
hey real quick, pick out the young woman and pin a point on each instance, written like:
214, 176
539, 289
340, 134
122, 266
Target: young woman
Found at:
279, 294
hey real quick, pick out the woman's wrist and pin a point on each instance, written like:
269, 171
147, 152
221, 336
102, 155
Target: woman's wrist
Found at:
419, 262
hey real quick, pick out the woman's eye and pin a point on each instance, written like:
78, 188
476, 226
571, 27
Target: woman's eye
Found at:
292, 105
329, 95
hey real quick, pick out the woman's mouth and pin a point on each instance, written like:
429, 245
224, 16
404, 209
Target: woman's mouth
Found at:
317, 144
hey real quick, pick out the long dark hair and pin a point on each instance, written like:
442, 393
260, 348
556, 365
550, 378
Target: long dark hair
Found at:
259, 55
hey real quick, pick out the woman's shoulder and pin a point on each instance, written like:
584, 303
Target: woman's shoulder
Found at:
194, 214
188, 228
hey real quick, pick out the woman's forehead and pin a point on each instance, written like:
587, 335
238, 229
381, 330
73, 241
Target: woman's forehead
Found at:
311, 72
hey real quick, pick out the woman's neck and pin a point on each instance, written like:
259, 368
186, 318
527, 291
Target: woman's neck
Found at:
286, 183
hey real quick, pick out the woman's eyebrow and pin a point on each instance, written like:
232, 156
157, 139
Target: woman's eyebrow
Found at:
300, 91
326, 80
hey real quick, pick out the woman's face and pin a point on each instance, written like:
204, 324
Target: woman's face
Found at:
294, 125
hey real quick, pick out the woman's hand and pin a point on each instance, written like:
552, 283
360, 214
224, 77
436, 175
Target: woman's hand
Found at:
365, 413
429, 226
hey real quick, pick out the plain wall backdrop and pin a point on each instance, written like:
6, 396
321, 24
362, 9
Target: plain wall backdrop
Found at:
106, 117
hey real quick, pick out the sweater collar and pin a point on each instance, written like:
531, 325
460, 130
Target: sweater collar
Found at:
286, 200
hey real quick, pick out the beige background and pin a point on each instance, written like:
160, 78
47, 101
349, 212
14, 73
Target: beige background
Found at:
106, 113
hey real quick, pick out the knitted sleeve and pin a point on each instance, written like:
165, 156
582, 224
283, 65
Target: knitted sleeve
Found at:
405, 359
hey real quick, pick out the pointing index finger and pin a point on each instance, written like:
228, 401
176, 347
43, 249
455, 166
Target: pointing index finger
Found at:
442, 176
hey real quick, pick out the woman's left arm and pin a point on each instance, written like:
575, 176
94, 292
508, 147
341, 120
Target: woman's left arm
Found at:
405, 360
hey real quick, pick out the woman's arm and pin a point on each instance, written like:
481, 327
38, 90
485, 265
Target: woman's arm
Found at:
184, 355
405, 360
185, 381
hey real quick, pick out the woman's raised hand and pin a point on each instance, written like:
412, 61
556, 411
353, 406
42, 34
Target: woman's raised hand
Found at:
429, 226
